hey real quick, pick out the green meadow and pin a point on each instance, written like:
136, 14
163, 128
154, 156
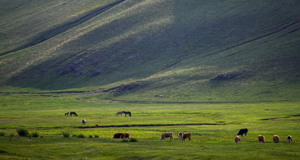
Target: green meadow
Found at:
213, 127
209, 68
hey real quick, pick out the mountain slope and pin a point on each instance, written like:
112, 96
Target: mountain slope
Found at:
171, 48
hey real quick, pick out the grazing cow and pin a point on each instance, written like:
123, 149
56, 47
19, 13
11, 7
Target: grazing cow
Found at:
289, 138
183, 136
237, 139
126, 112
67, 114
119, 112
243, 131
83, 121
167, 135
276, 139
71, 113
261, 139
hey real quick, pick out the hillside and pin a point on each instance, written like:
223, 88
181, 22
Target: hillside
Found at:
186, 51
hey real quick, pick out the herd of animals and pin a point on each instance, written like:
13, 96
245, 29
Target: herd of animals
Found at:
261, 138
183, 136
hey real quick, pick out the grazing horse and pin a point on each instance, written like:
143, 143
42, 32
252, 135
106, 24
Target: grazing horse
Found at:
126, 112
71, 113
276, 139
289, 138
119, 112
237, 139
121, 135
67, 114
183, 136
261, 139
167, 135
243, 131
118, 135
83, 121
126, 135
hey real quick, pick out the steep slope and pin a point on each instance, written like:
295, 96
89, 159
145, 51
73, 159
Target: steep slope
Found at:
184, 50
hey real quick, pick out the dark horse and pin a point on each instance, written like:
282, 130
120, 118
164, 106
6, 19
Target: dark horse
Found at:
71, 113
243, 131
126, 112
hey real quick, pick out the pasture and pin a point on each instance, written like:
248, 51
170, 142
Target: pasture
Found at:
213, 127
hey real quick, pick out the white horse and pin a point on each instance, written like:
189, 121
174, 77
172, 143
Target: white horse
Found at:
83, 121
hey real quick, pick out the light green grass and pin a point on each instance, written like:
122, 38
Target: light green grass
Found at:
45, 115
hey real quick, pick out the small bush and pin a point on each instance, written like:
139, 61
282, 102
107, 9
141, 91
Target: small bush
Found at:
12, 135
96, 136
74, 135
2, 134
133, 140
66, 134
90, 136
35, 134
22, 132
81, 136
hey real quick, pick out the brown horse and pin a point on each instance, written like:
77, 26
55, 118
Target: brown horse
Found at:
167, 135
121, 135
183, 136
276, 139
237, 139
261, 139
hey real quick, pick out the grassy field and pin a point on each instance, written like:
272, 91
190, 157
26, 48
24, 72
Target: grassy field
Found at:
213, 128
100, 57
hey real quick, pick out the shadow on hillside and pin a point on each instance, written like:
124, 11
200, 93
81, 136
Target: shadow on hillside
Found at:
200, 33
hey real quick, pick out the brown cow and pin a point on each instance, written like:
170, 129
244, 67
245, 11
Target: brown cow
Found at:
289, 138
276, 139
261, 139
238, 139
183, 136
167, 135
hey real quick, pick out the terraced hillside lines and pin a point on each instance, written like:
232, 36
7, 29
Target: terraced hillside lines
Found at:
60, 29
176, 49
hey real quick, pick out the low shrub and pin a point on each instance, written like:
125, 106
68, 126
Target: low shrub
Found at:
22, 132
133, 140
2, 134
90, 136
74, 135
66, 134
96, 136
12, 135
35, 134
81, 136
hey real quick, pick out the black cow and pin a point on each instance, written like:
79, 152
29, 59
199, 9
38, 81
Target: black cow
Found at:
71, 113
243, 131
